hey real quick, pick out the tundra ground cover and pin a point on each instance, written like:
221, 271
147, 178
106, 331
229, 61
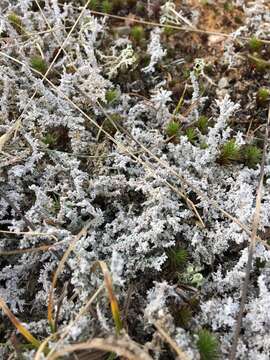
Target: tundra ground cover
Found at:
132, 138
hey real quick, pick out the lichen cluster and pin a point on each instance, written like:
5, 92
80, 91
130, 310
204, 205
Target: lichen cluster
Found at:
150, 139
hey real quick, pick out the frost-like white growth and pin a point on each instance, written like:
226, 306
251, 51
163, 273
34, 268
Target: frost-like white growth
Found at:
120, 58
220, 133
169, 14
61, 174
155, 50
156, 300
223, 313
117, 265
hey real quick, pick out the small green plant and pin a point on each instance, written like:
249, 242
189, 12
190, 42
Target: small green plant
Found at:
191, 134
94, 5
110, 124
50, 139
203, 145
184, 316
39, 64
173, 128
202, 124
258, 63
192, 276
229, 152
168, 30
263, 96
177, 258
107, 6
140, 7
56, 206
16, 22
137, 33
255, 45
228, 6
251, 155
208, 345
111, 96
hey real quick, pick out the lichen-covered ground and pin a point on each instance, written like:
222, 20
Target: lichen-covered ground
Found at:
132, 146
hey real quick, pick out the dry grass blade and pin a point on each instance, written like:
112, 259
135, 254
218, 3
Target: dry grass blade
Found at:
5, 137
251, 249
112, 298
29, 250
180, 353
19, 326
121, 146
63, 332
122, 347
58, 271
42, 347
29, 233
175, 27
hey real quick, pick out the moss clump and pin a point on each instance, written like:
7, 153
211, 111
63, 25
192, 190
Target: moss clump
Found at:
184, 316
111, 96
258, 63
263, 96
255, 45
94, 5
110, 124
208, 345
16, 22
228, 6
107, 6
202, 124
137, 33
230, 151
191, 134
39, 64
50, 139
251, 155
177, 258
173, 128
168, 30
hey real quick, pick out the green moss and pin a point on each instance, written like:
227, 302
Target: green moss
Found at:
208, 345
203, 145
111, 96
16, 22
184, 316
110, 125
229, 152
191, 134
137, 33
263, 96
168, 30
177, 258
259, 64
50, 139
255, 44
107, 6
251, 155
39, 64
173, 128
140, 7
94, 5
228, 6
202, 124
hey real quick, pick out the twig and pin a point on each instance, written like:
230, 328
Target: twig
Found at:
251, 249
175, 27
181, 354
